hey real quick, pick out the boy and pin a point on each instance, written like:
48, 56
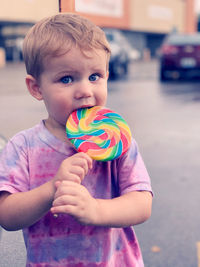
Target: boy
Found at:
41, 174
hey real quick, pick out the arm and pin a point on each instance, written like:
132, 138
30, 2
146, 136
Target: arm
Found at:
129, 209
20, 210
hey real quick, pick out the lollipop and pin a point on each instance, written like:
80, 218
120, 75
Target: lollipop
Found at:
100, 132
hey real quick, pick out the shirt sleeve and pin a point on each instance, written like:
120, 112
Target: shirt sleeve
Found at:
133, 175
14, 175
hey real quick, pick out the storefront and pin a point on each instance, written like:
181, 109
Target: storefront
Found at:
11, 38
145, 23
16, 17
138, 15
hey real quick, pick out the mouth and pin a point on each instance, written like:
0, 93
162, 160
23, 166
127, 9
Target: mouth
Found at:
86, 106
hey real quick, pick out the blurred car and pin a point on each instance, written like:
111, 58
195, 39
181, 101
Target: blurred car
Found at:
180, 56
119, 61
134, 54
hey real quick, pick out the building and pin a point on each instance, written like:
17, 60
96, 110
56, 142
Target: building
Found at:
145, 23
16, 17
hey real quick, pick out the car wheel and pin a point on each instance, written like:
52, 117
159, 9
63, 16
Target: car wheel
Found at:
126, 68
119, 70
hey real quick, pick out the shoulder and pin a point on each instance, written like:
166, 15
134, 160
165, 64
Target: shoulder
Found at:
21, 141
24, 136
131, 154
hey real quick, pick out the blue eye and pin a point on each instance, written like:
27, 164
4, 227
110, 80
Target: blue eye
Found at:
94, 77
66, 79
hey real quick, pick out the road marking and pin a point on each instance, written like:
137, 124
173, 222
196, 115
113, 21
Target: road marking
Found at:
198, 254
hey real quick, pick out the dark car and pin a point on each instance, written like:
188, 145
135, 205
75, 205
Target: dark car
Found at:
120, 49
180, 56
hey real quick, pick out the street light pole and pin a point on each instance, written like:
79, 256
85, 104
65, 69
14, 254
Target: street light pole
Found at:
66, 5
190, 17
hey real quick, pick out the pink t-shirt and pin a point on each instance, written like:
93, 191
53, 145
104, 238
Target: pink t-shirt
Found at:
31, 158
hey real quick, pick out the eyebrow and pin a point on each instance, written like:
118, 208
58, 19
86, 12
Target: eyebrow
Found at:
74, 72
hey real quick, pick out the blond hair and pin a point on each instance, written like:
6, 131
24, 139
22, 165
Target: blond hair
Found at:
54, 36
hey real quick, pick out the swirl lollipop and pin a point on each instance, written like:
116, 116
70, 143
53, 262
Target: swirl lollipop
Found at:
100, 132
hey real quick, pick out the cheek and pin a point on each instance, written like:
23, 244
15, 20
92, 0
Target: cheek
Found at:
104, 100
58, 106
63, 106
61, 112
102, 95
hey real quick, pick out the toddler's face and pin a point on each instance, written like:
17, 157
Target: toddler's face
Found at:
73, 81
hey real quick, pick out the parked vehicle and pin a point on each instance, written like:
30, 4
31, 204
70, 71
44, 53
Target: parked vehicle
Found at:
180, 56
119, 61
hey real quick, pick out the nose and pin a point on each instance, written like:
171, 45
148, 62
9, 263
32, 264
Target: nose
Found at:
83, 90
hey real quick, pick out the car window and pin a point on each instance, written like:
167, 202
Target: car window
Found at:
184, 39
109, 37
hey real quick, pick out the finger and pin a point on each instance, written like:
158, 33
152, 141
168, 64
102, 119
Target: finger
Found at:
68, 209
57, 183
71, 177
60, 200
67, 188
65, 200
88, 159
79, 171
82, 162
85, 159
78, 164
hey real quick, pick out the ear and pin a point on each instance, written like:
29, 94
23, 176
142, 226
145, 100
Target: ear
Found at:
33, 87
107, 74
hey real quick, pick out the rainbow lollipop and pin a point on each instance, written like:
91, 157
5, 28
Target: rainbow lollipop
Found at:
100, 132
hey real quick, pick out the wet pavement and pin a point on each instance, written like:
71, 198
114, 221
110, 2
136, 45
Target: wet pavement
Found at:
164, 119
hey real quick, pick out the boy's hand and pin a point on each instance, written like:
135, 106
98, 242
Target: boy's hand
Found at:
74, 168
75, 200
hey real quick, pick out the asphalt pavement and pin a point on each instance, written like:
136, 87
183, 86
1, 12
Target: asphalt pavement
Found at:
164, 119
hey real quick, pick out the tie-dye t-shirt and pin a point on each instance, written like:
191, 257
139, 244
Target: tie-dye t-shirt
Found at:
31, 158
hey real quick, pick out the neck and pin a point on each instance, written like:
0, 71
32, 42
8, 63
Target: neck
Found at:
57, 130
